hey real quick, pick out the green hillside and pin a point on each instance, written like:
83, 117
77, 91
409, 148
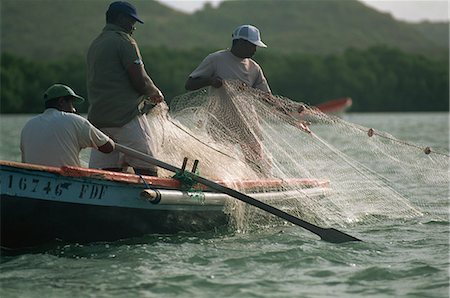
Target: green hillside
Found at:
318, 50
54, 28
50, 29
437, 33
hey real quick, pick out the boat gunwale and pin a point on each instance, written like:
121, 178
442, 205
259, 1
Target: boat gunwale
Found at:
162, 182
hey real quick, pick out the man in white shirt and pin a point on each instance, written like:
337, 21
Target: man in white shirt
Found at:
56, 137
236, 64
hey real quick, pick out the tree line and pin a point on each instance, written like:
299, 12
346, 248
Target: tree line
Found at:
377, 79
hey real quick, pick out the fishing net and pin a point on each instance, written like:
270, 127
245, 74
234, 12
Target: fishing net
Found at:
240, 133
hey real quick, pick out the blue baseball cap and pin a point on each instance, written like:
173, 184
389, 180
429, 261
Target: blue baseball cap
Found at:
126, 8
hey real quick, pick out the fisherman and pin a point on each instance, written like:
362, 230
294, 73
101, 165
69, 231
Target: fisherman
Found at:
56, 137
236, 64
120, 91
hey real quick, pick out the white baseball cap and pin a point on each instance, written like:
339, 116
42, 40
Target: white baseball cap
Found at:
249, 33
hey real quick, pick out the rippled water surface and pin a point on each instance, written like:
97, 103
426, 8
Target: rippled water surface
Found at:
401, 259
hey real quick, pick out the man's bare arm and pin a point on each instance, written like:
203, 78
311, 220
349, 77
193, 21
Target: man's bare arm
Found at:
108, 147
142, 83
197, 83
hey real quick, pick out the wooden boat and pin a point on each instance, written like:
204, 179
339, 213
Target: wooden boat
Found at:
314, 114
40, 204
335, 106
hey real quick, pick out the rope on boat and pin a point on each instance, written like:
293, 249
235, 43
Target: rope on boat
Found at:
187, 183
147, 186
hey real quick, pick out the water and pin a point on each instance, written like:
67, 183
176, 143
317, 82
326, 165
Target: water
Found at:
407, 259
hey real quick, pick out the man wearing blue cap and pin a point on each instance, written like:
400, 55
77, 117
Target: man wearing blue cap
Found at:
120, 90
55, 137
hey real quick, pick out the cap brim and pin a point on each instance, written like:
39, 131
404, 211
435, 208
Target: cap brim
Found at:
78, 99
256, 43
137, 19
259, 44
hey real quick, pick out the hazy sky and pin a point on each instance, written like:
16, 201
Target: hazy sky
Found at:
407, 10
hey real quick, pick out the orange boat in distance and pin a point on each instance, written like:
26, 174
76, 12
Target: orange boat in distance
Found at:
335, 106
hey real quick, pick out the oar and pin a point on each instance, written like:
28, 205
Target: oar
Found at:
326, 234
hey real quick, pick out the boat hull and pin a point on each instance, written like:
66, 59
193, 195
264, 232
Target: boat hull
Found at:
40, 204
27, 222
336, 106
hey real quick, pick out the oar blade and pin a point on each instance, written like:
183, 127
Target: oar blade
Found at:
336, 236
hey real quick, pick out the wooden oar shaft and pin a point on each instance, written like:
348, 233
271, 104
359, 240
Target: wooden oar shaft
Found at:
330, 235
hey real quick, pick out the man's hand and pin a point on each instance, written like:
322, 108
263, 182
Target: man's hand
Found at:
157, 98
150, 101
216, 82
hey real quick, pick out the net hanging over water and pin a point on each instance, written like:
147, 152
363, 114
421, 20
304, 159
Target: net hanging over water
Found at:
240, 133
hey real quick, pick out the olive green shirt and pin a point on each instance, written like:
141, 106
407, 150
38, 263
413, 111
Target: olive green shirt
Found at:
113, 100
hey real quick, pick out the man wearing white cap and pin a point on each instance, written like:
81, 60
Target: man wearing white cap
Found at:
234, 63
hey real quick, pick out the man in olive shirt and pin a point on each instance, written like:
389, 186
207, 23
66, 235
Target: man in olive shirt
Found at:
118, 86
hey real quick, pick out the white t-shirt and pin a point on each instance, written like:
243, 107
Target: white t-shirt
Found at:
227, 66
55, 138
